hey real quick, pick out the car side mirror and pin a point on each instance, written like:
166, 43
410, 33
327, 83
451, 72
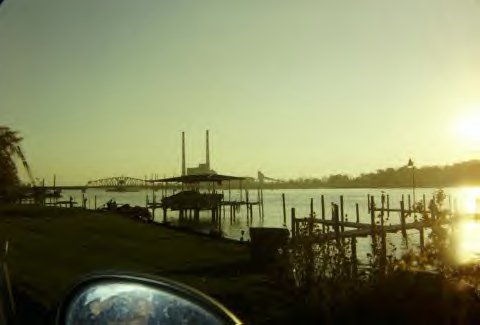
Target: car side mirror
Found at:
126, 299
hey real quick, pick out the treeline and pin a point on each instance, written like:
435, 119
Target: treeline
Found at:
459, 174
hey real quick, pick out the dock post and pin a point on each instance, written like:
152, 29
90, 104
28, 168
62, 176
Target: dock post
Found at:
95, 202
311, 220
284, 211
241, 191
357, 212
261, 199
342, 215
424, 204
422, 238
353, 247
293, 224
372, 216
164, 215
383, 261
336, 226
388, 206
311, 207
229, 191
246, 198
220, 222
368, 203
154, 203
322, 198
259, 205
402, 222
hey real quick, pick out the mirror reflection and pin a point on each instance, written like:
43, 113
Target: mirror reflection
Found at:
126, 303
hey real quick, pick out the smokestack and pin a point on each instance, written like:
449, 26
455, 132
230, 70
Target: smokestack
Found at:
184, 171
208, 153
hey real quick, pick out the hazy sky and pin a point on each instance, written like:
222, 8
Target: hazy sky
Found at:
104, 88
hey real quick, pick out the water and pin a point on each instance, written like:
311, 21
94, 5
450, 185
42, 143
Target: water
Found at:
462, 199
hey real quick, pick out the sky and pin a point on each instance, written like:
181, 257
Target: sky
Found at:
303, 88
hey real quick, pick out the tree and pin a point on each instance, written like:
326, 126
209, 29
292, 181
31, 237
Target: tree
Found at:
9, 141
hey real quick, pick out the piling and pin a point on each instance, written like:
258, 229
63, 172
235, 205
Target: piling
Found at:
259, 203
353, 248
357, 212
402, 222
372, 216
293, 224
388, 206
261, 200
323, 211
284, 211
336, 226
341, 213
422, 238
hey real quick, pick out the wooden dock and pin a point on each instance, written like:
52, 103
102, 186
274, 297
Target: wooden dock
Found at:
338, 229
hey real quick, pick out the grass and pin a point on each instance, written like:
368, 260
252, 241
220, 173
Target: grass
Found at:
51, 248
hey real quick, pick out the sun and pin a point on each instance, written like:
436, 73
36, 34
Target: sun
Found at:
468, 127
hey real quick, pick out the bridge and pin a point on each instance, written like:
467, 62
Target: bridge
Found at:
121, 181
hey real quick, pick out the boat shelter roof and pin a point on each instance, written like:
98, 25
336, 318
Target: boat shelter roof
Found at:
198, 178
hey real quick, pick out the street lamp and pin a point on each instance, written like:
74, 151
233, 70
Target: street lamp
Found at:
412, 166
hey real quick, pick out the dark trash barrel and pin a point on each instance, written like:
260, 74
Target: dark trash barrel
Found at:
265, 243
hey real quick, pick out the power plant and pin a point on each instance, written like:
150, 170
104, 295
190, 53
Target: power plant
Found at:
201, 169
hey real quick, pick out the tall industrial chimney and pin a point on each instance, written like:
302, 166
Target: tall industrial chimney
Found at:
208, 154
184, 170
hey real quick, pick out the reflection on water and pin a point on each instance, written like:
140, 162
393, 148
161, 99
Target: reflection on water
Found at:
467, 241
467, 233
469, 199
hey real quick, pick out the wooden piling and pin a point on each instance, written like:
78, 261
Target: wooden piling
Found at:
421, 234
402, 222
229, 192
424, 204
246, 197
368, 203
353, 248
284, 211
388, 206
261, 202
95, 202
357, 213
293, 224
322, 198
336, 226
311, 207
342, 215
372, 216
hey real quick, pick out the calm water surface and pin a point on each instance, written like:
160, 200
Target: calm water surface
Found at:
465, 200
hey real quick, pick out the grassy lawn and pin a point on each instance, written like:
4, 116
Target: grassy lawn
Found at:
51, 248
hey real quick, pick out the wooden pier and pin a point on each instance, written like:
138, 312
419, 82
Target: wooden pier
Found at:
337, 228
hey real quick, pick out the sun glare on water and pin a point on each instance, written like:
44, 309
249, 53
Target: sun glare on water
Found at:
467, 238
